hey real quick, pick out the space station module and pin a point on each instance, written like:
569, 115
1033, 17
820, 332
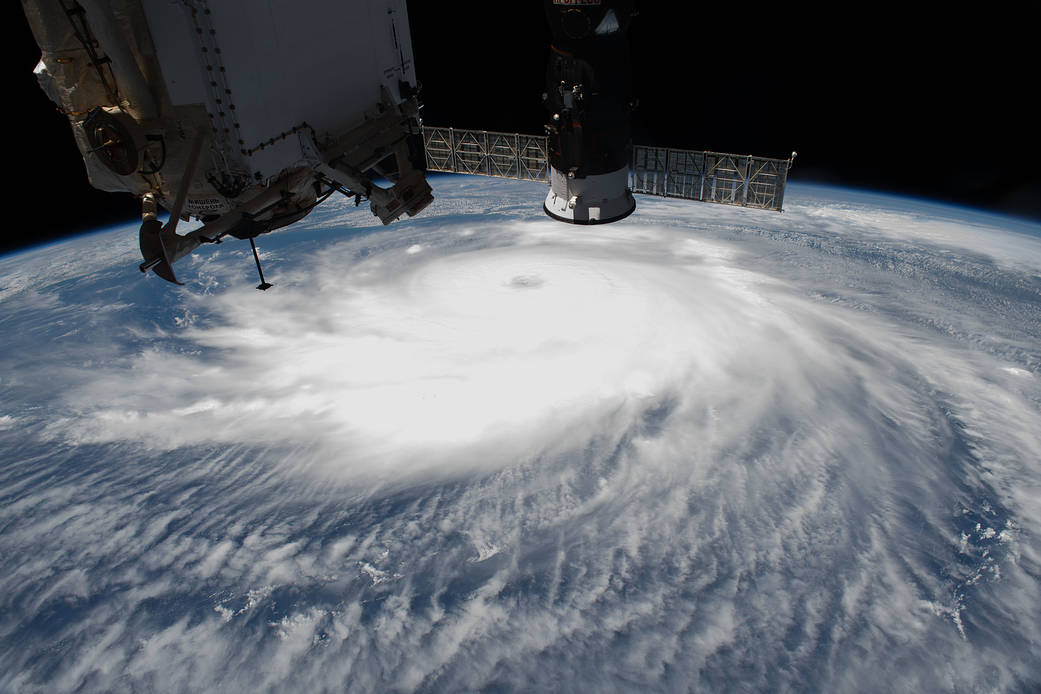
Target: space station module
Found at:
241, 115
590, 102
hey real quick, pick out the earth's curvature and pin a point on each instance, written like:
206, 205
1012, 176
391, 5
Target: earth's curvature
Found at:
705, 449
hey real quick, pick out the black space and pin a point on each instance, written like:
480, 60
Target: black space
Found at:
935, 107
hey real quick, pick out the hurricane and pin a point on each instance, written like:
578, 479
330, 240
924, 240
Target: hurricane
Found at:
703, 449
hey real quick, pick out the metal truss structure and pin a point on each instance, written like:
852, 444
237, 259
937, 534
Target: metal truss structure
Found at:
504, 155
729, 179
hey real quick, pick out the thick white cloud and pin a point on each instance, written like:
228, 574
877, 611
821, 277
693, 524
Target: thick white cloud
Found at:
476, 356
702, 449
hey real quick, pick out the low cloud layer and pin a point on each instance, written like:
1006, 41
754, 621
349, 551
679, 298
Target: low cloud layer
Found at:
703, 449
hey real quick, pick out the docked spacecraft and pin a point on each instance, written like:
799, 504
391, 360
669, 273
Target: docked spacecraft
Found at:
589, 98
242, 119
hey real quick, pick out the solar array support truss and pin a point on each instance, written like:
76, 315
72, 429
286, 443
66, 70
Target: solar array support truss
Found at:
486, 153
728, 179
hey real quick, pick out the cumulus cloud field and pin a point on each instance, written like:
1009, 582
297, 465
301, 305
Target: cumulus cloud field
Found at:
704, 449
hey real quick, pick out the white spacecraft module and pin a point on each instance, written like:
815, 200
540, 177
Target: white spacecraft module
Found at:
242, 115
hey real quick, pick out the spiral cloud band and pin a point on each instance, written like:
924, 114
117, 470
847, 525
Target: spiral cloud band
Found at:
706, 449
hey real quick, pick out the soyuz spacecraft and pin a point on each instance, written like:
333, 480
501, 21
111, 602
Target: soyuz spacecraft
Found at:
223, 113
589, 97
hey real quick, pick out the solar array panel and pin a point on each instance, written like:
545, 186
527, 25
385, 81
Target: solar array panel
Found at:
728, 179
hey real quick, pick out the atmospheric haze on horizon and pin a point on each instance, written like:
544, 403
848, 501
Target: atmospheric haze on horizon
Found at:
706, 448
